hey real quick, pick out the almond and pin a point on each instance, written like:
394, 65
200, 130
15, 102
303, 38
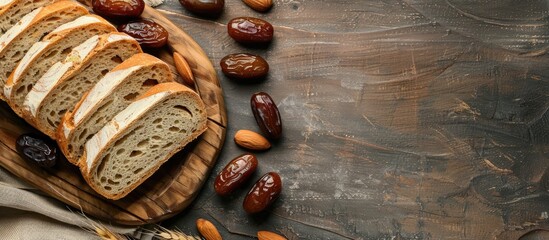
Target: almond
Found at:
266, 235
251, 140
183, 68
207, 229
259, 5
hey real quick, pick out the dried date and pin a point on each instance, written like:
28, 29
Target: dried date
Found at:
208, 8
244, 66
250, 30
118, 9
37, 149
264, 192
148, 33
266, 115
238, 171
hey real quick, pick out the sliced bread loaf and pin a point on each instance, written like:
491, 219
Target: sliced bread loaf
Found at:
11, 11
63, 85
114, 92
53, 48
132, 146
15, 43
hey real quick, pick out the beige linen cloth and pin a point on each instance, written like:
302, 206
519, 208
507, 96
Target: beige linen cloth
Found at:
27, 213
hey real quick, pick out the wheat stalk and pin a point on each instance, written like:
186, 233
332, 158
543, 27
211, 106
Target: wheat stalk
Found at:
167, 234
105, 234
160, 232
100, 230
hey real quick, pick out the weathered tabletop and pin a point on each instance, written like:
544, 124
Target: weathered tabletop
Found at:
403, 119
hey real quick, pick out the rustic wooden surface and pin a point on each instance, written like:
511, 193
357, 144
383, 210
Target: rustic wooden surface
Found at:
403, 119
171, 189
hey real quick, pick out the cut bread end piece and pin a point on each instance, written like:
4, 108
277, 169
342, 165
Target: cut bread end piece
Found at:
132, 146
42, 55
114, 92
15, 43
62, 86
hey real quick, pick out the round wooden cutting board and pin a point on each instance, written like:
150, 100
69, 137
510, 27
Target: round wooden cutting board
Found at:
171, 189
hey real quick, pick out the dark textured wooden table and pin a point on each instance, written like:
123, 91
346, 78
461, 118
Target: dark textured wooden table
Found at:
403, 119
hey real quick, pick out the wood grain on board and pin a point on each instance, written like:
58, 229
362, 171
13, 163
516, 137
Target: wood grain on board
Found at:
171, 189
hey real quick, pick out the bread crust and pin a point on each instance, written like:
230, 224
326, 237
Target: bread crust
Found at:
57, 6
103, 24
68, 125
62, 142
105, 41
172, 88
5, 9
51, 40
44, 13
138, 59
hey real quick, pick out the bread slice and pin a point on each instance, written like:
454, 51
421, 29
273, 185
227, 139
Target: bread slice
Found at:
11, 11
114, 92
15, 43
132, 146
53, 48
62, 86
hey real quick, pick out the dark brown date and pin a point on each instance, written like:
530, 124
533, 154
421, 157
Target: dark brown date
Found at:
266, 115
244, 66
235, 174
118, 9
148, 33
37, 149
250, 30
208, 8
265, 191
